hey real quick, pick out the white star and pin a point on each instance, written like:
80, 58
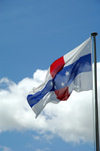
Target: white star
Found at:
67, 73
55, 87
51, 83
62, 84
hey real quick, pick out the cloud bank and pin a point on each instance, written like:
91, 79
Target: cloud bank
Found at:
71, 120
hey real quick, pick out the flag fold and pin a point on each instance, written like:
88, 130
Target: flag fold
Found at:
73, 71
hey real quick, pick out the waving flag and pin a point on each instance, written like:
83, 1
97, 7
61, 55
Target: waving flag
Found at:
73, 71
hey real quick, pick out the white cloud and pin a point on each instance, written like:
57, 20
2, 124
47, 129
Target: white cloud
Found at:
5, 148
71, 120
46, 136
45, 149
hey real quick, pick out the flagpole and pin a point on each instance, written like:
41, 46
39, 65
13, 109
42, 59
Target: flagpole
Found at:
95, 93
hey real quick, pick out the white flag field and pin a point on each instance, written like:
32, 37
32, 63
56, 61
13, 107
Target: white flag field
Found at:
75, 114
73, 71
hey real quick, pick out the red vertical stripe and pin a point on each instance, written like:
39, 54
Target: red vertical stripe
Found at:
62, 94
56, 66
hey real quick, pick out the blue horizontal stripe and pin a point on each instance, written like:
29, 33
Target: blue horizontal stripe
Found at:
35, 98
63, 78
68, 73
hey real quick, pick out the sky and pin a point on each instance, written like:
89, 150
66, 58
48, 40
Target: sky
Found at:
33, 34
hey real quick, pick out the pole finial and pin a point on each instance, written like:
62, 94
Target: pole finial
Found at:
94, 34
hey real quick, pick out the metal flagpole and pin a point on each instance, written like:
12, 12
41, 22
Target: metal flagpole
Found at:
95, 93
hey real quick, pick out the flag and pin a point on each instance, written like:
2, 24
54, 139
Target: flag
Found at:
73, 71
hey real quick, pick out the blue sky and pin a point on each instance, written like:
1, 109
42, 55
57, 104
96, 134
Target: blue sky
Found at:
35, 33
32, 35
